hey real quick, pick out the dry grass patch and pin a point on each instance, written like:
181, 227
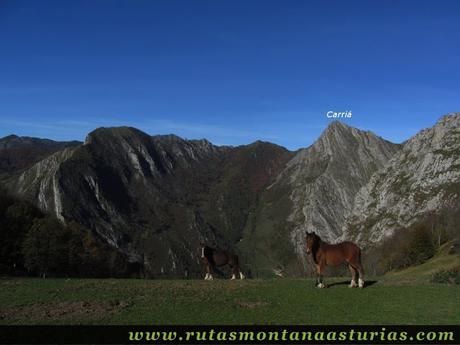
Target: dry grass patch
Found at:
64, 311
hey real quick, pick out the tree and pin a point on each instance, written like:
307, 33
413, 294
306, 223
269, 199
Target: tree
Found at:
421, 245
16, 218
45, 247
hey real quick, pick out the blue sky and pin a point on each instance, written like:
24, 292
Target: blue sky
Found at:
229, 71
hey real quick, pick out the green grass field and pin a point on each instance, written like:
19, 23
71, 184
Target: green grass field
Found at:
277, 301
401, 297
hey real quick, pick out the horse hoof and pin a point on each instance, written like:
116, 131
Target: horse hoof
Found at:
361, 283
321, 286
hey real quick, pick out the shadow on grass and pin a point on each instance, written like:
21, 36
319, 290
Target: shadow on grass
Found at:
347, 282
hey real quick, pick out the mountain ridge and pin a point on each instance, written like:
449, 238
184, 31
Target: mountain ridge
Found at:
154, 198
19, 153
422, 178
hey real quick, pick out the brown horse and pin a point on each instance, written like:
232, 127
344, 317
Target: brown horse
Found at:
215, 257
325, 254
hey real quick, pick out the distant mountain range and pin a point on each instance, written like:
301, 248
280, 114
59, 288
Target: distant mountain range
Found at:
154, 198
18, 153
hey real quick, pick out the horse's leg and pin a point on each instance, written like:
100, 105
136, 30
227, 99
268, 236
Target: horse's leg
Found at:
361, 275
319, 276
353, 276
237, 271
356, 264
318, 279
241, 274
234, 264
360, 270
234, 271
211, 271
208, 272
207, 269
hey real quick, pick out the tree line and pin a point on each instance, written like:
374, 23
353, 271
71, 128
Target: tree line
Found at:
415, 244
37, 244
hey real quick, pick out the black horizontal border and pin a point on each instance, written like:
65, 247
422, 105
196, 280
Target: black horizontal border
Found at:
220, 334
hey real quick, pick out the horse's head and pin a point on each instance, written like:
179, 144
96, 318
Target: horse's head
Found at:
310, 240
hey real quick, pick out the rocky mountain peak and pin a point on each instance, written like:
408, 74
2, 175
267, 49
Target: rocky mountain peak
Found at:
338, 125
9, 137
171, 138
7, 141
442, 135
339, 136
110, 134
451, 118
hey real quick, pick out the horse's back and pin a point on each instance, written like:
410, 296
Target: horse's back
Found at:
340, 252
350, 245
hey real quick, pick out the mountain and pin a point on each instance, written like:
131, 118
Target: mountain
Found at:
154, 198
19, 153
315, 192
422, 178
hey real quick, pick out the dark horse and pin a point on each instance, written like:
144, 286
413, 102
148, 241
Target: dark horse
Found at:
325, 254
214, 257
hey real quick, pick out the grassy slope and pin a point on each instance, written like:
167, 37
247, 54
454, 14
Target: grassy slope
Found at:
443, 260
282, 301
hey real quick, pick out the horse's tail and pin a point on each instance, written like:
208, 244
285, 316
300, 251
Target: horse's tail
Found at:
360, 261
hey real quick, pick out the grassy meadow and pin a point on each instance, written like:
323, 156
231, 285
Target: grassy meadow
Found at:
401, 297
277, 301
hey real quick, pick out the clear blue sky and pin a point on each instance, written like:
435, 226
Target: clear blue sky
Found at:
229, 71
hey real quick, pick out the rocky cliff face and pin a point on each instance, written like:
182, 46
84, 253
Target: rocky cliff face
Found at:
316, 190
423, 177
